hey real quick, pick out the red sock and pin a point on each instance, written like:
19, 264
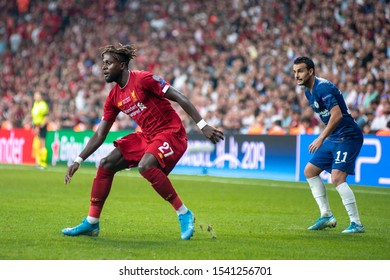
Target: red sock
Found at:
100, 189
162, 186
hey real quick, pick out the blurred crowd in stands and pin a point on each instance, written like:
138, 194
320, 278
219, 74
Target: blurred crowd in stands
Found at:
232, 58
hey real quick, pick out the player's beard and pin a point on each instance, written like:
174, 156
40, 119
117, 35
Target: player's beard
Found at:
109, 78
304, 81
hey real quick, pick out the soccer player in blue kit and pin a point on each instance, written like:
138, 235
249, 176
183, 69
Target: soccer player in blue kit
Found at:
334, 150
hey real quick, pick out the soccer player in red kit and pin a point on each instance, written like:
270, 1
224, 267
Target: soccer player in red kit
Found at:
155, 149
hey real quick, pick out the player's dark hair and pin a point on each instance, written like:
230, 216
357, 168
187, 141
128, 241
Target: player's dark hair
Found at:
124, 53
307, 61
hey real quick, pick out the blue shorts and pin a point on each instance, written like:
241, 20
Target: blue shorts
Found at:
338, 155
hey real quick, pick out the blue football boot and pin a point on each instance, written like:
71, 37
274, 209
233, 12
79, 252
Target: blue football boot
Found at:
187, 221
84, 228
354, 228
324, 222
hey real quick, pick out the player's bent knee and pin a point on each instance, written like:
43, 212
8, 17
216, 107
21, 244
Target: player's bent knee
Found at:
148, 161
311, 171
336, 181
106, 164
103, 162
142, 168
338, 177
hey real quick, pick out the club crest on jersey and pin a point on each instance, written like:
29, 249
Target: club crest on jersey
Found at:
316, 104
158, 79
141, 106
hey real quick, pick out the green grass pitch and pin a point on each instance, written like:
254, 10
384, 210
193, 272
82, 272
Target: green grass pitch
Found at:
251, 219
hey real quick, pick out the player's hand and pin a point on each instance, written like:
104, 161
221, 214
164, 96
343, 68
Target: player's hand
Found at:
69, 173
315, 145
213, 134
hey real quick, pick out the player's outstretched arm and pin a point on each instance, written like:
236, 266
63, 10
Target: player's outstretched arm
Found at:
210, 132
93, 144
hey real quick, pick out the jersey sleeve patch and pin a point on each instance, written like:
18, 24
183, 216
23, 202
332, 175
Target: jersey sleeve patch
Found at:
159, 79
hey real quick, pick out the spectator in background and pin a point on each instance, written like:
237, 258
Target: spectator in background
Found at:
368, 117
351, 94
384, 98
366, 129
232, 123
304, 127
359, 118
380, 121
23, 6
384, 131
258, 126
294, 125
276, 128
370, 96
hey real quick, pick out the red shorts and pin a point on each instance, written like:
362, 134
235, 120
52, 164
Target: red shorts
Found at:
167, 148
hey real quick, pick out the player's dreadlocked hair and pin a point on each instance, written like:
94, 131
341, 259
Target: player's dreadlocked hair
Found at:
124, 53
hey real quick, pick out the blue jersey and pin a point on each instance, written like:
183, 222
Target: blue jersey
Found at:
322, 99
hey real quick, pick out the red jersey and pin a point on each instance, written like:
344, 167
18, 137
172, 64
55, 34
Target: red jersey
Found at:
142, 99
